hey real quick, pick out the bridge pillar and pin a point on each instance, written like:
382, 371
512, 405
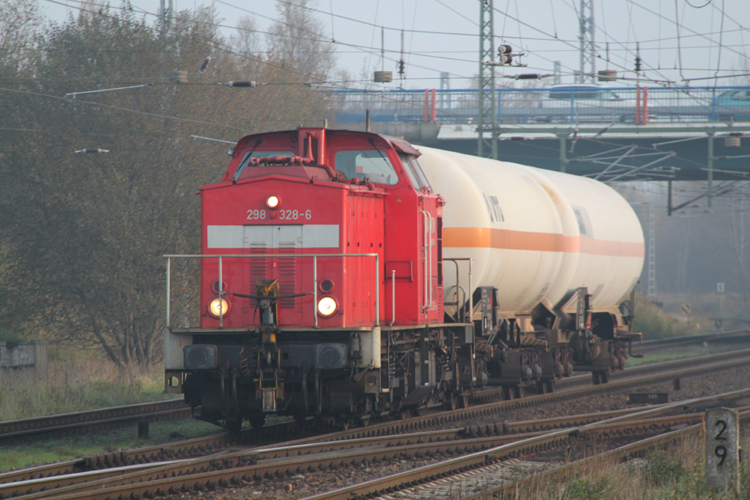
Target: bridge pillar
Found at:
710, 165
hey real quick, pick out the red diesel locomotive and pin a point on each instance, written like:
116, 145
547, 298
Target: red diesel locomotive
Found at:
323, 289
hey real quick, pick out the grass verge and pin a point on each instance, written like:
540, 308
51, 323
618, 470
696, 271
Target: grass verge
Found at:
77, 385
660, 474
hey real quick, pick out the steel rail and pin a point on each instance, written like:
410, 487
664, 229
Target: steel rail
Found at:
690, 339
493, 394
176, 414
205, 445
335, 455
456, 441
108, 416
48, 423
486, 457
618, 453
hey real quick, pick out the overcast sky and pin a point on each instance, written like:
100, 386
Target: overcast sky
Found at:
679, 39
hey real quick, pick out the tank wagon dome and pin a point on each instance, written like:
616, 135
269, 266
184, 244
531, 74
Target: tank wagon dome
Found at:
535, 235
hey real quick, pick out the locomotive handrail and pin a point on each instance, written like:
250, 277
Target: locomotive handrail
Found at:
455, 260
314, 256
393, 296
427, 253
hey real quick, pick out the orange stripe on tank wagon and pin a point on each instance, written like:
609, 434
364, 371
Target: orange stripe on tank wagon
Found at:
484, 237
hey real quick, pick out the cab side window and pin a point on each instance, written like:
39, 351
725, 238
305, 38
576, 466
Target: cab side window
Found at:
414, 171
370, 164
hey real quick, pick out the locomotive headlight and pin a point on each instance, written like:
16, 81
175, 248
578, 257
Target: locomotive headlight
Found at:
218, 306
327, 306
273, 201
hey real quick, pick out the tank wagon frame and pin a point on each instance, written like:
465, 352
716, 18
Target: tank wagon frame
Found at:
324, 289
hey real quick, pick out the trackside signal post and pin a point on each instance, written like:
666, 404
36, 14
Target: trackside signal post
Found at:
722, 460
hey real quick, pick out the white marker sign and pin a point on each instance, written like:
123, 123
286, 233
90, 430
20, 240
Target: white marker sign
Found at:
722, 449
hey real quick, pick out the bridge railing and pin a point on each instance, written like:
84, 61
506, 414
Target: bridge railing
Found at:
554, 104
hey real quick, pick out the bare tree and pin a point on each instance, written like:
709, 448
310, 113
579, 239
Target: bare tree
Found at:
20, 22
81, 236
298, 42
246, 41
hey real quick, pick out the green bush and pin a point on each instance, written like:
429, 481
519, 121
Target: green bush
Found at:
10, 336
654, 323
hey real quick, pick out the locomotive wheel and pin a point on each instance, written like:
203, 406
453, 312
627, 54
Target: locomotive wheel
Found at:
233, 425
257, 420
599, 378
300, 418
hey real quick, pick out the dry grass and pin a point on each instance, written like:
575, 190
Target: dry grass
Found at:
76, 385
674, 473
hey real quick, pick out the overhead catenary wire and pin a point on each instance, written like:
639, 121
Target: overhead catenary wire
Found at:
434, 56
266, 62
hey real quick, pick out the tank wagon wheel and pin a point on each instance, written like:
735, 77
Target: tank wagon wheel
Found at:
403, 414
545, 386
463, 400
451, 401
344, 424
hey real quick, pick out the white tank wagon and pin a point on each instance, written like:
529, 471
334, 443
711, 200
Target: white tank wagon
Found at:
554, 256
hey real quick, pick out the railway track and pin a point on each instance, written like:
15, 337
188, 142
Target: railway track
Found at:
651, 345
236, 468
106, 418
342, 449
482, 466
102, 418
289, 459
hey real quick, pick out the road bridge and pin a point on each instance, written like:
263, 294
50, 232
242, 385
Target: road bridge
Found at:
610, 133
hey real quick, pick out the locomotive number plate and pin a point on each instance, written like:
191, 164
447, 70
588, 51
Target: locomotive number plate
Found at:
295, 214
254, 214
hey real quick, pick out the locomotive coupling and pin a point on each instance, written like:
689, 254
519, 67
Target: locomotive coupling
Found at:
267, 288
